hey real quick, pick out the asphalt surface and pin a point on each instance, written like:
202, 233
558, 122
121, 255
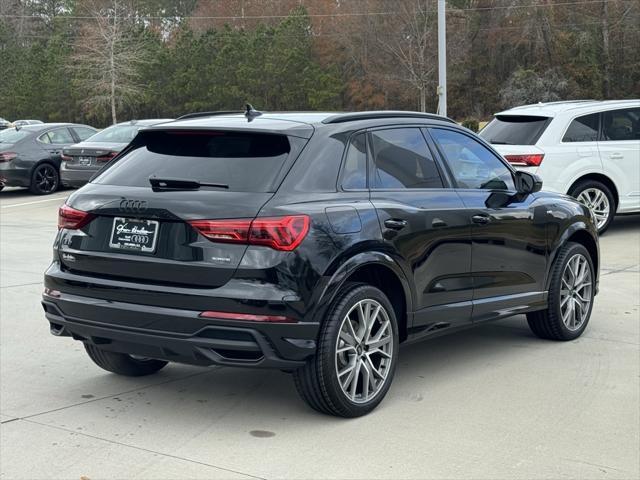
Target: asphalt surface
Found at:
492, 402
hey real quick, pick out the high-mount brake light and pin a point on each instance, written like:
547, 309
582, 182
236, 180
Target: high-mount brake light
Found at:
280, 233
533, 160
72, 219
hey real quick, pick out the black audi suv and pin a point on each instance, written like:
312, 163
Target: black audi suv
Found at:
314, 243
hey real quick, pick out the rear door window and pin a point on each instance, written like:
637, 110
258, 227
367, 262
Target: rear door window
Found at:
246, 162
402, 159
60, 136
621, 125
515, 129
583, 129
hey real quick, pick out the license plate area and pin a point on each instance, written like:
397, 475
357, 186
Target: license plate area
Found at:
134, 234
84, 161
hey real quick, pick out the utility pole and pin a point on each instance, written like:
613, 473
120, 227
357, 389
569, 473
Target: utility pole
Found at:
442, 59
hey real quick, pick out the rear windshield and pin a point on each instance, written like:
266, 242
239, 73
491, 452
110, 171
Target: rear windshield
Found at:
246, 162
11, 135
514, 130
115, 134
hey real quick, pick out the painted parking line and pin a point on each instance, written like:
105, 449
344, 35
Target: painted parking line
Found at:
32, 203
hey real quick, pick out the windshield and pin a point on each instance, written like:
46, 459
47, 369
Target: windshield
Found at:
115, 134
11, 135
514, 130
245, 162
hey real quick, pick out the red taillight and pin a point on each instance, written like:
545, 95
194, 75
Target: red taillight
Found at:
279, 233
247, 317
106, 157
533, 160
71, 218
230, 231
7, 156
65, 158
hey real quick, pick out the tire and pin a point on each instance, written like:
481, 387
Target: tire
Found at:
45, 179
318, 382
596, 194
556, 322
123, 364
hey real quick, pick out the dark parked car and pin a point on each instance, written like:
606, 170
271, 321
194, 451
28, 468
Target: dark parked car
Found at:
4, 123
30, 155
81, 161
313, 243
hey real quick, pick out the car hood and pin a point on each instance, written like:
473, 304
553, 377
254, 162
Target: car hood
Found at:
94, 148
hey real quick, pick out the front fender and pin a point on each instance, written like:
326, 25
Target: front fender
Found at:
347, 268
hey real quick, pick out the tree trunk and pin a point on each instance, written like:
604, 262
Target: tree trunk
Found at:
423, 99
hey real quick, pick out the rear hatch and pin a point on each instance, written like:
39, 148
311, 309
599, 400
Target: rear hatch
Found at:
139, 232
515, 137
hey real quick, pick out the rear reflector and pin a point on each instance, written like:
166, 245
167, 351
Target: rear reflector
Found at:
533, 160
51, 293
71, 218
247, 317
279, 233
7, 156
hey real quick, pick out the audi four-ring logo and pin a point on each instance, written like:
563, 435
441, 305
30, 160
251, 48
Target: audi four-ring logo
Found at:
140, 239
134, 206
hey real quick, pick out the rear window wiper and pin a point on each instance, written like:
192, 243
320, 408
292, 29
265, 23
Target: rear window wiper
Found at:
498, 142
176, 184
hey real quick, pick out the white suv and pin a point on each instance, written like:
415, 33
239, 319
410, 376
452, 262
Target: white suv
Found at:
588, 149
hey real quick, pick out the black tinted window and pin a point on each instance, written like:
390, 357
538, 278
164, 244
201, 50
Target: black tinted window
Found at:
472, 164
355, 165
402, 160
621, 124
583, 129
247, 162
514, 130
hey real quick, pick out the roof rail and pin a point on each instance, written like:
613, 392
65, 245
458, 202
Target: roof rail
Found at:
208, 114
349, 117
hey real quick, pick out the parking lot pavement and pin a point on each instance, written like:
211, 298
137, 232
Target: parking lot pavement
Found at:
492, 402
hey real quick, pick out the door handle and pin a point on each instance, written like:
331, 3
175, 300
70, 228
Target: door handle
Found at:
438, 222
395, 223
615, 156
481, 219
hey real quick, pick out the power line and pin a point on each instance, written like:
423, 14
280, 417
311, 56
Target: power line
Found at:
314, 15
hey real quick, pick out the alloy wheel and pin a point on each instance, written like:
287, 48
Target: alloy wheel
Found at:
45, 178
576, 292
598, 202
364, 351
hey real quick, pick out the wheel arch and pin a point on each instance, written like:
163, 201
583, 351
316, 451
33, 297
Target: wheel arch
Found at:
578, 233
598, 177
379, 270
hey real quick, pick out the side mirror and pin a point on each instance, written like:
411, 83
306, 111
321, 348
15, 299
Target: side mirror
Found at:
527, 182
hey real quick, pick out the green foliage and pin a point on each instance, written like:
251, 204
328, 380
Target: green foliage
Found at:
527, 86
472, 124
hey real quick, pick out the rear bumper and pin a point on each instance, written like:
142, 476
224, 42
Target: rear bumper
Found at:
74, 178
211, 341
14, 177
